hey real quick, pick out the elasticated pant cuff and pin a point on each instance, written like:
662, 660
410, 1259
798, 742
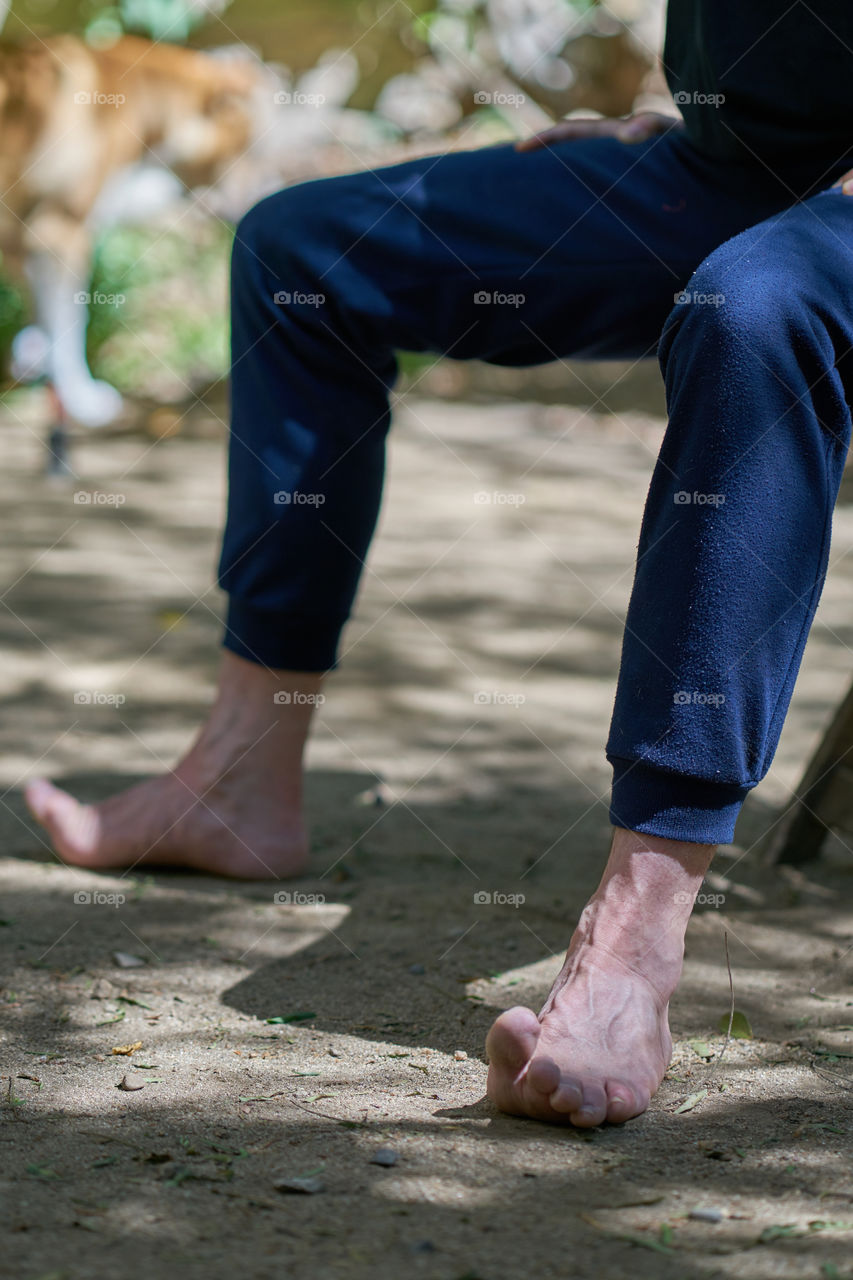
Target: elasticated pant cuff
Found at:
673, 805
288, 641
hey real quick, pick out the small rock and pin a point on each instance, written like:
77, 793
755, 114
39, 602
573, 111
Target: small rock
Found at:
460, 1055
423, 1246
102, 989
417, 969
125, 960
334, 1053
706, 1215
384, 1156
299, 1186
378, 797
129, 1086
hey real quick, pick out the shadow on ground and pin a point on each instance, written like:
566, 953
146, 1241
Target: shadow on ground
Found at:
281, 1038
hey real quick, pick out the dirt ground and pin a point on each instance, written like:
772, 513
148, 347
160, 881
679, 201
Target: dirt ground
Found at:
287, 1040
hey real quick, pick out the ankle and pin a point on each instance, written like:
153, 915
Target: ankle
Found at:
259, 711
252, 687
640, 910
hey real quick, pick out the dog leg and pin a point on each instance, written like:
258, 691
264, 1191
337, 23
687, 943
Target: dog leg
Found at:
59, 270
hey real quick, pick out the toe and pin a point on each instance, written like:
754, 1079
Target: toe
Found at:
567, 1097
537, 1089
39, 796
623, 1103
512, 1041
593, 1109
510, 1045
543, 1075
72, 827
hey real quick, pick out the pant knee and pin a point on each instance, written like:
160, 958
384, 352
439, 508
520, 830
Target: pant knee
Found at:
760, 296
288, 234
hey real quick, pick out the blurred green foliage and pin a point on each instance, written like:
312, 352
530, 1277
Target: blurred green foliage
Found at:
12, 314
158, 324
160, 19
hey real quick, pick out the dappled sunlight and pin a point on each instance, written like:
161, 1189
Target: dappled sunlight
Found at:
284, 1037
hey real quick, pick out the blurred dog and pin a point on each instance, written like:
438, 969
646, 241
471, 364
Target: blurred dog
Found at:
73, 122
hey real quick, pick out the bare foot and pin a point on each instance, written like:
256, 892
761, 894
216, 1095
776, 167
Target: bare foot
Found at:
599, 1048
232, 806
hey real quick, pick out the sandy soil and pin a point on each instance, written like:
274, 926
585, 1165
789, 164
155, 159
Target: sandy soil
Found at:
394, 965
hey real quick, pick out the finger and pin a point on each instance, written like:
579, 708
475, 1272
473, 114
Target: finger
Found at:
645, 125
634, 129
570, 129
846, 183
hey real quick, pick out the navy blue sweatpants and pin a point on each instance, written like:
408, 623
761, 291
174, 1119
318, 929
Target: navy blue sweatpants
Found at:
599, 238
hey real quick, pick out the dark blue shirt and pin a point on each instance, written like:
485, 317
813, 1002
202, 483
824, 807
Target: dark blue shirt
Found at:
769, 81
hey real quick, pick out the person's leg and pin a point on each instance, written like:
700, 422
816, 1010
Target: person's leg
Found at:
328, 279
732, 557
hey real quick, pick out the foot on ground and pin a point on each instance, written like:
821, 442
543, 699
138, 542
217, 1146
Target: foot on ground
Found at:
598, 1050
231, 827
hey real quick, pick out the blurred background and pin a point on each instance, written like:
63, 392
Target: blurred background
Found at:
365, 82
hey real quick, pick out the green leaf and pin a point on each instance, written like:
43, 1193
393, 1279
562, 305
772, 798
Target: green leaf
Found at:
120, 1016
769, 1234
302, 1015
741, 1030
701, 1047
689, 1103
